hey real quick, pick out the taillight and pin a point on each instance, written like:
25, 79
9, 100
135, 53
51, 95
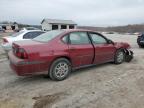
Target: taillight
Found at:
20, 52
5, 40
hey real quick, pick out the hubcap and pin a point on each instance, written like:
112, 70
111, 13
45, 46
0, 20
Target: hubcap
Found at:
120, 57
61, 69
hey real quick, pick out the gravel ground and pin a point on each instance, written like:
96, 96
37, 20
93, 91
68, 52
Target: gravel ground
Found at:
103, 86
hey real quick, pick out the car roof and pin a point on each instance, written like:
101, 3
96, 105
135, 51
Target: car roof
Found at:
71, 30
78, 30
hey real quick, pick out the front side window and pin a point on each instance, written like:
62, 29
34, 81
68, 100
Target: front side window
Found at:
142, 35
79, 38
97, 39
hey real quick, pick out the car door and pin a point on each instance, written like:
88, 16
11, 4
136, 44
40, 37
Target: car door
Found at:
104, 51
80, 49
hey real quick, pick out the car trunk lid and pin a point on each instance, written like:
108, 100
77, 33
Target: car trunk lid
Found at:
29, 48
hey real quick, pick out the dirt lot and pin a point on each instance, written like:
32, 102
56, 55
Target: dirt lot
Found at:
104, 86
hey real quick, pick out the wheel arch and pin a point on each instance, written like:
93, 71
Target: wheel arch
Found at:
121, 48
58, 57
66, 57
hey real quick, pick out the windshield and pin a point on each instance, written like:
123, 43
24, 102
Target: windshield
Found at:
16, 34
48, 36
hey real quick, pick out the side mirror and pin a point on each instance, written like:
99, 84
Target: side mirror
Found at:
110, 42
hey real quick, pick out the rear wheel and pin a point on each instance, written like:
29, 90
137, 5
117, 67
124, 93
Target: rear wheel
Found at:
60, 69
119, 57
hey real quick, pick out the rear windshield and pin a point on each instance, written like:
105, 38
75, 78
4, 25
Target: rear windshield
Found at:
48, 36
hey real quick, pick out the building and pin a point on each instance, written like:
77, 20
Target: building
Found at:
54, 24
9, 27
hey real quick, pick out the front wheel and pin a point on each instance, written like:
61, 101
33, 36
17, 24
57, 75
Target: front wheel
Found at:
119, 57
140, 46
60, 69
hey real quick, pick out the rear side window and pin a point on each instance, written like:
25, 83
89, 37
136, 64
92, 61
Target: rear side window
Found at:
32, 35
37, 34
79, 38
97, 39
28, 35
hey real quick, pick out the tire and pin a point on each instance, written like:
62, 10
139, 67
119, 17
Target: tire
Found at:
128, 58
119, 57
60, 69
141, 46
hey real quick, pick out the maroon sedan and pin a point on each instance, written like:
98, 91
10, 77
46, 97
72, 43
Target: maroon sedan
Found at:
57, 52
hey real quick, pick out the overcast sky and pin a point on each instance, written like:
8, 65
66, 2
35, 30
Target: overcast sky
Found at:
83, 12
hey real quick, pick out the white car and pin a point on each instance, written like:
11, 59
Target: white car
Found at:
22, 35
30, 28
